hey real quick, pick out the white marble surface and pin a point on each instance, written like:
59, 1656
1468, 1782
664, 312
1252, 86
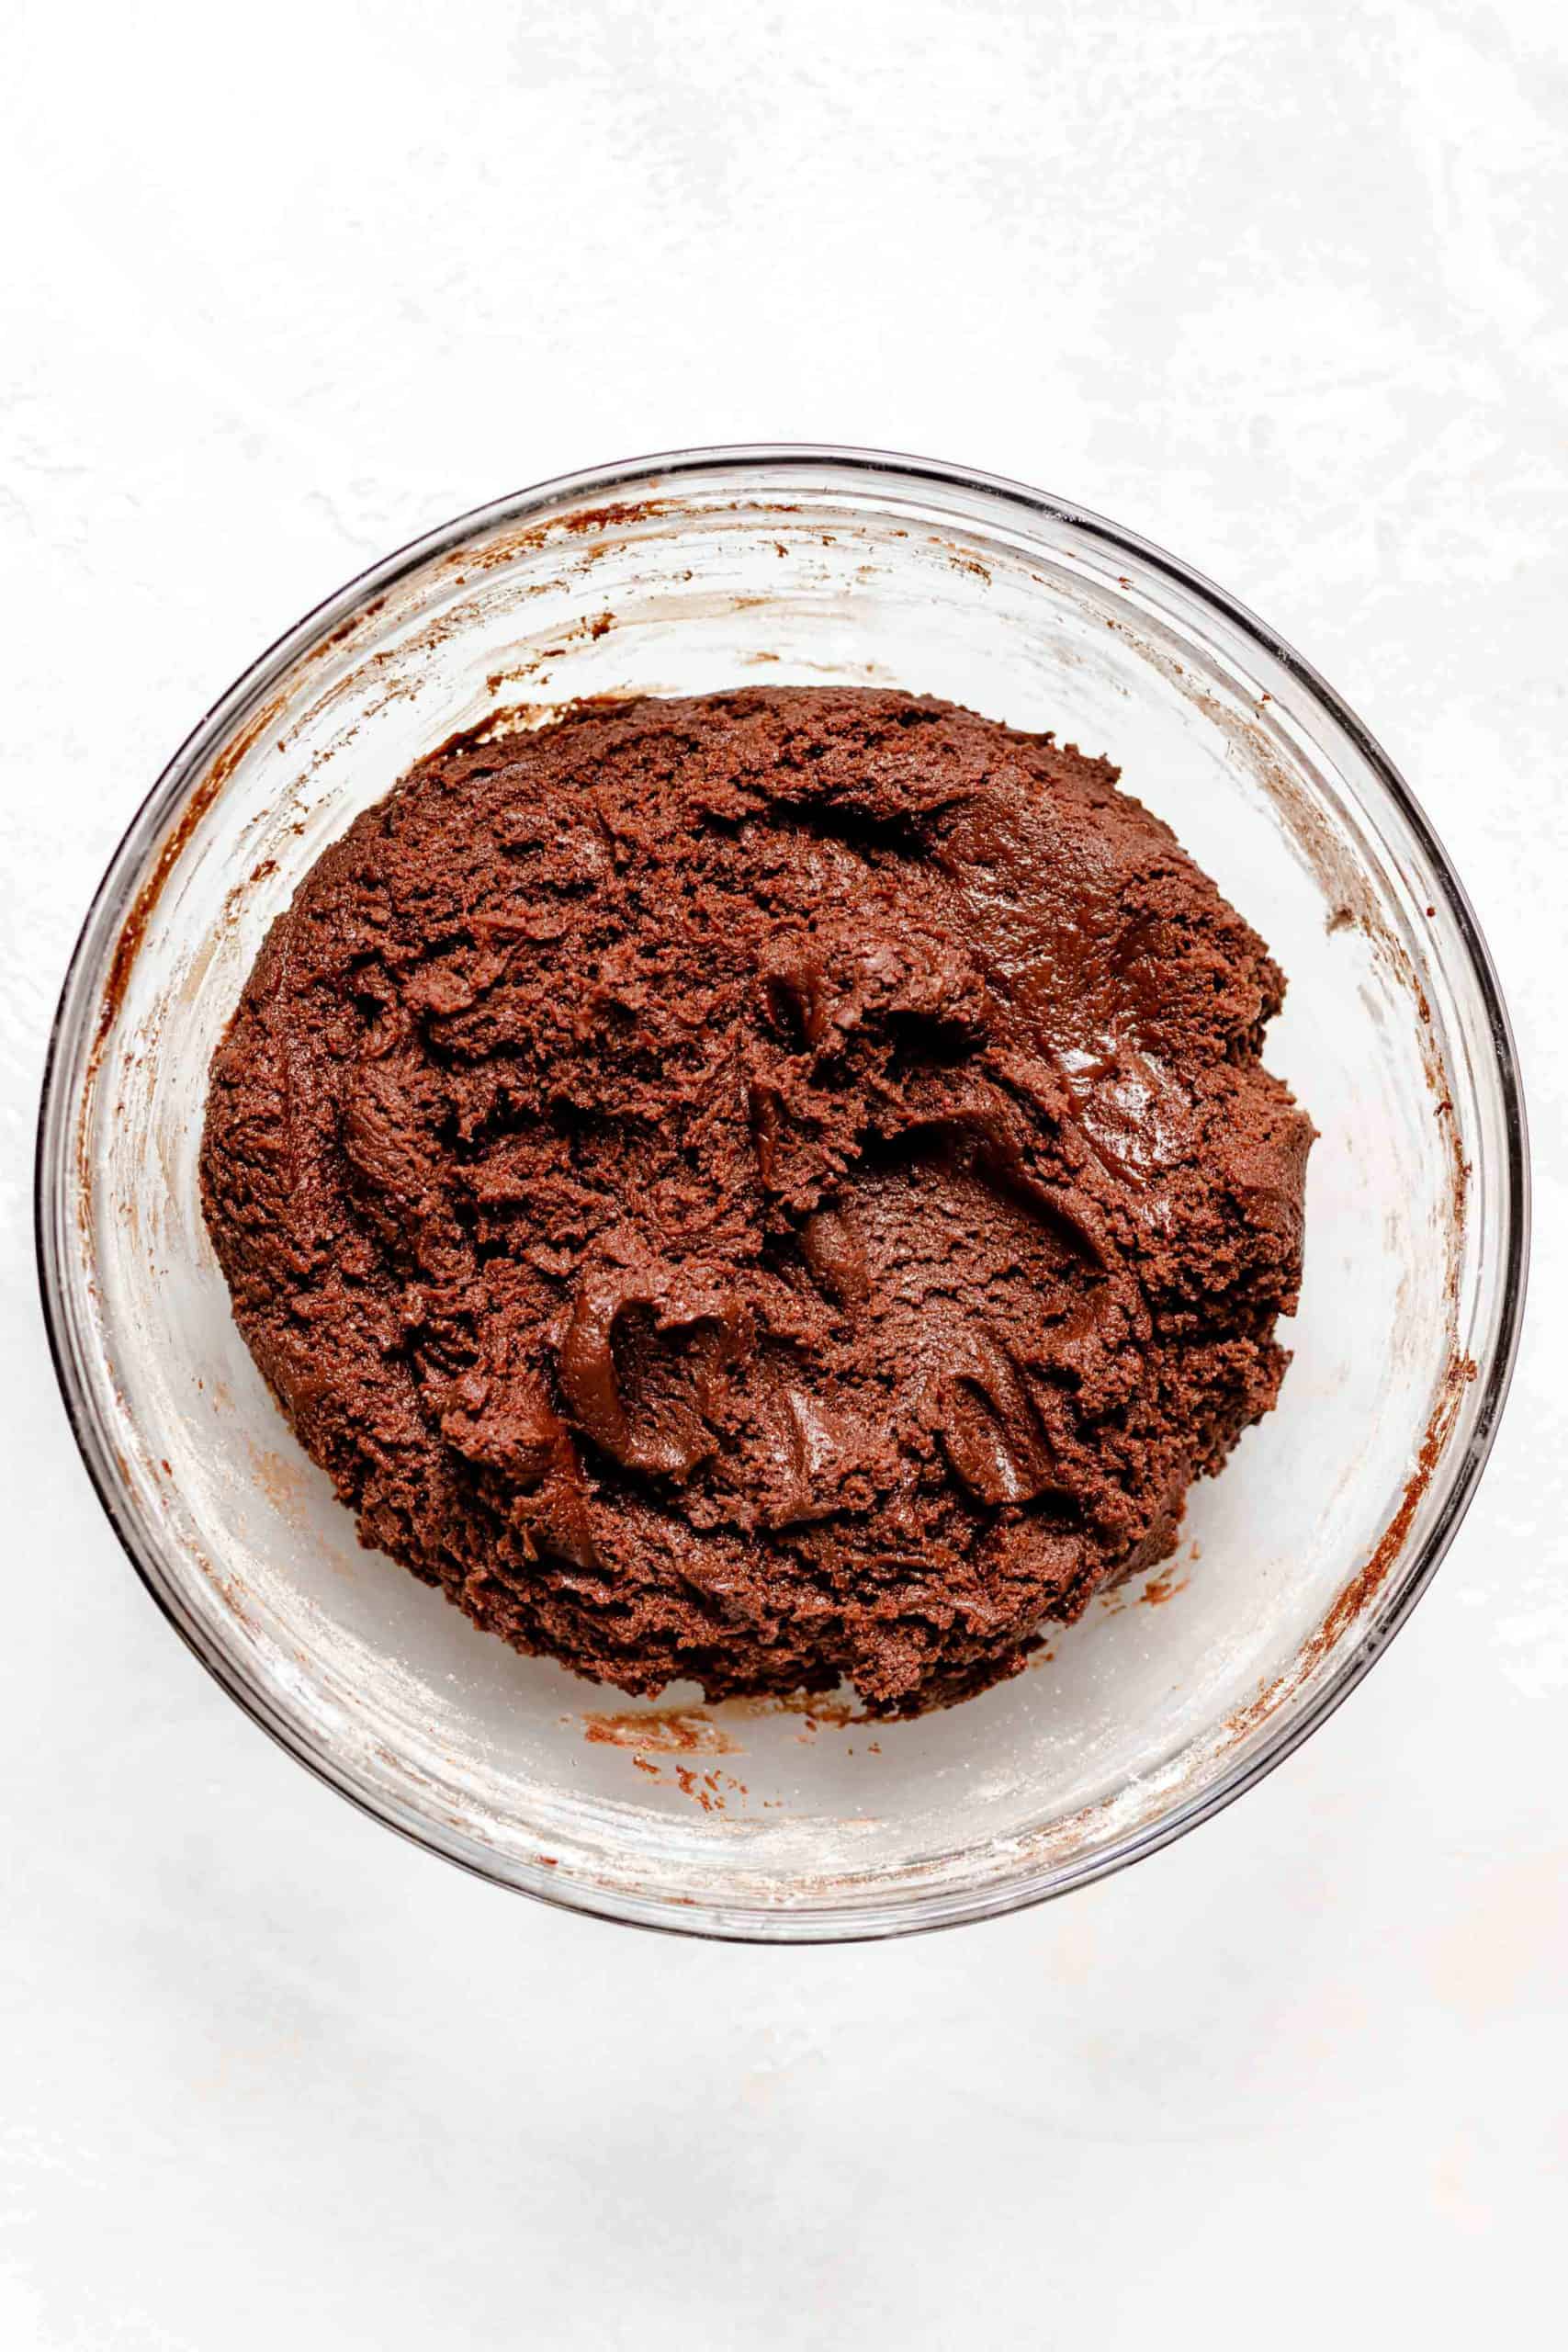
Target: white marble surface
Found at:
1279, 286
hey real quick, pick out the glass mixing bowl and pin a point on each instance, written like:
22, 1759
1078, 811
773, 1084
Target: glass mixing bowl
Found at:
792, 1823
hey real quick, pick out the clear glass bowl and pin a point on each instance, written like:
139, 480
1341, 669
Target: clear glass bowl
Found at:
680, 575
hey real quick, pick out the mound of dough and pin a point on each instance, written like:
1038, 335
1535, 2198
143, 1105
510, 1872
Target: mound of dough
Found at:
761, 1189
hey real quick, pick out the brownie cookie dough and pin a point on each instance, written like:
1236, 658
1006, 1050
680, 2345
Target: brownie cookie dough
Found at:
761, 1189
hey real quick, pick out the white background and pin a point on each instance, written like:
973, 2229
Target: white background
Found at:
1279, 286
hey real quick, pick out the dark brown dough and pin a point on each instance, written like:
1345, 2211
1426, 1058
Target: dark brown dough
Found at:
763, 1188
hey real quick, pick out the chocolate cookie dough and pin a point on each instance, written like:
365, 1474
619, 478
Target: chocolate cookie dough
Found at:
761, 1189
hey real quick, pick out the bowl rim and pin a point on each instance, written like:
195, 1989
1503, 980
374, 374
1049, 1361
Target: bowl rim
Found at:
863, 1915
